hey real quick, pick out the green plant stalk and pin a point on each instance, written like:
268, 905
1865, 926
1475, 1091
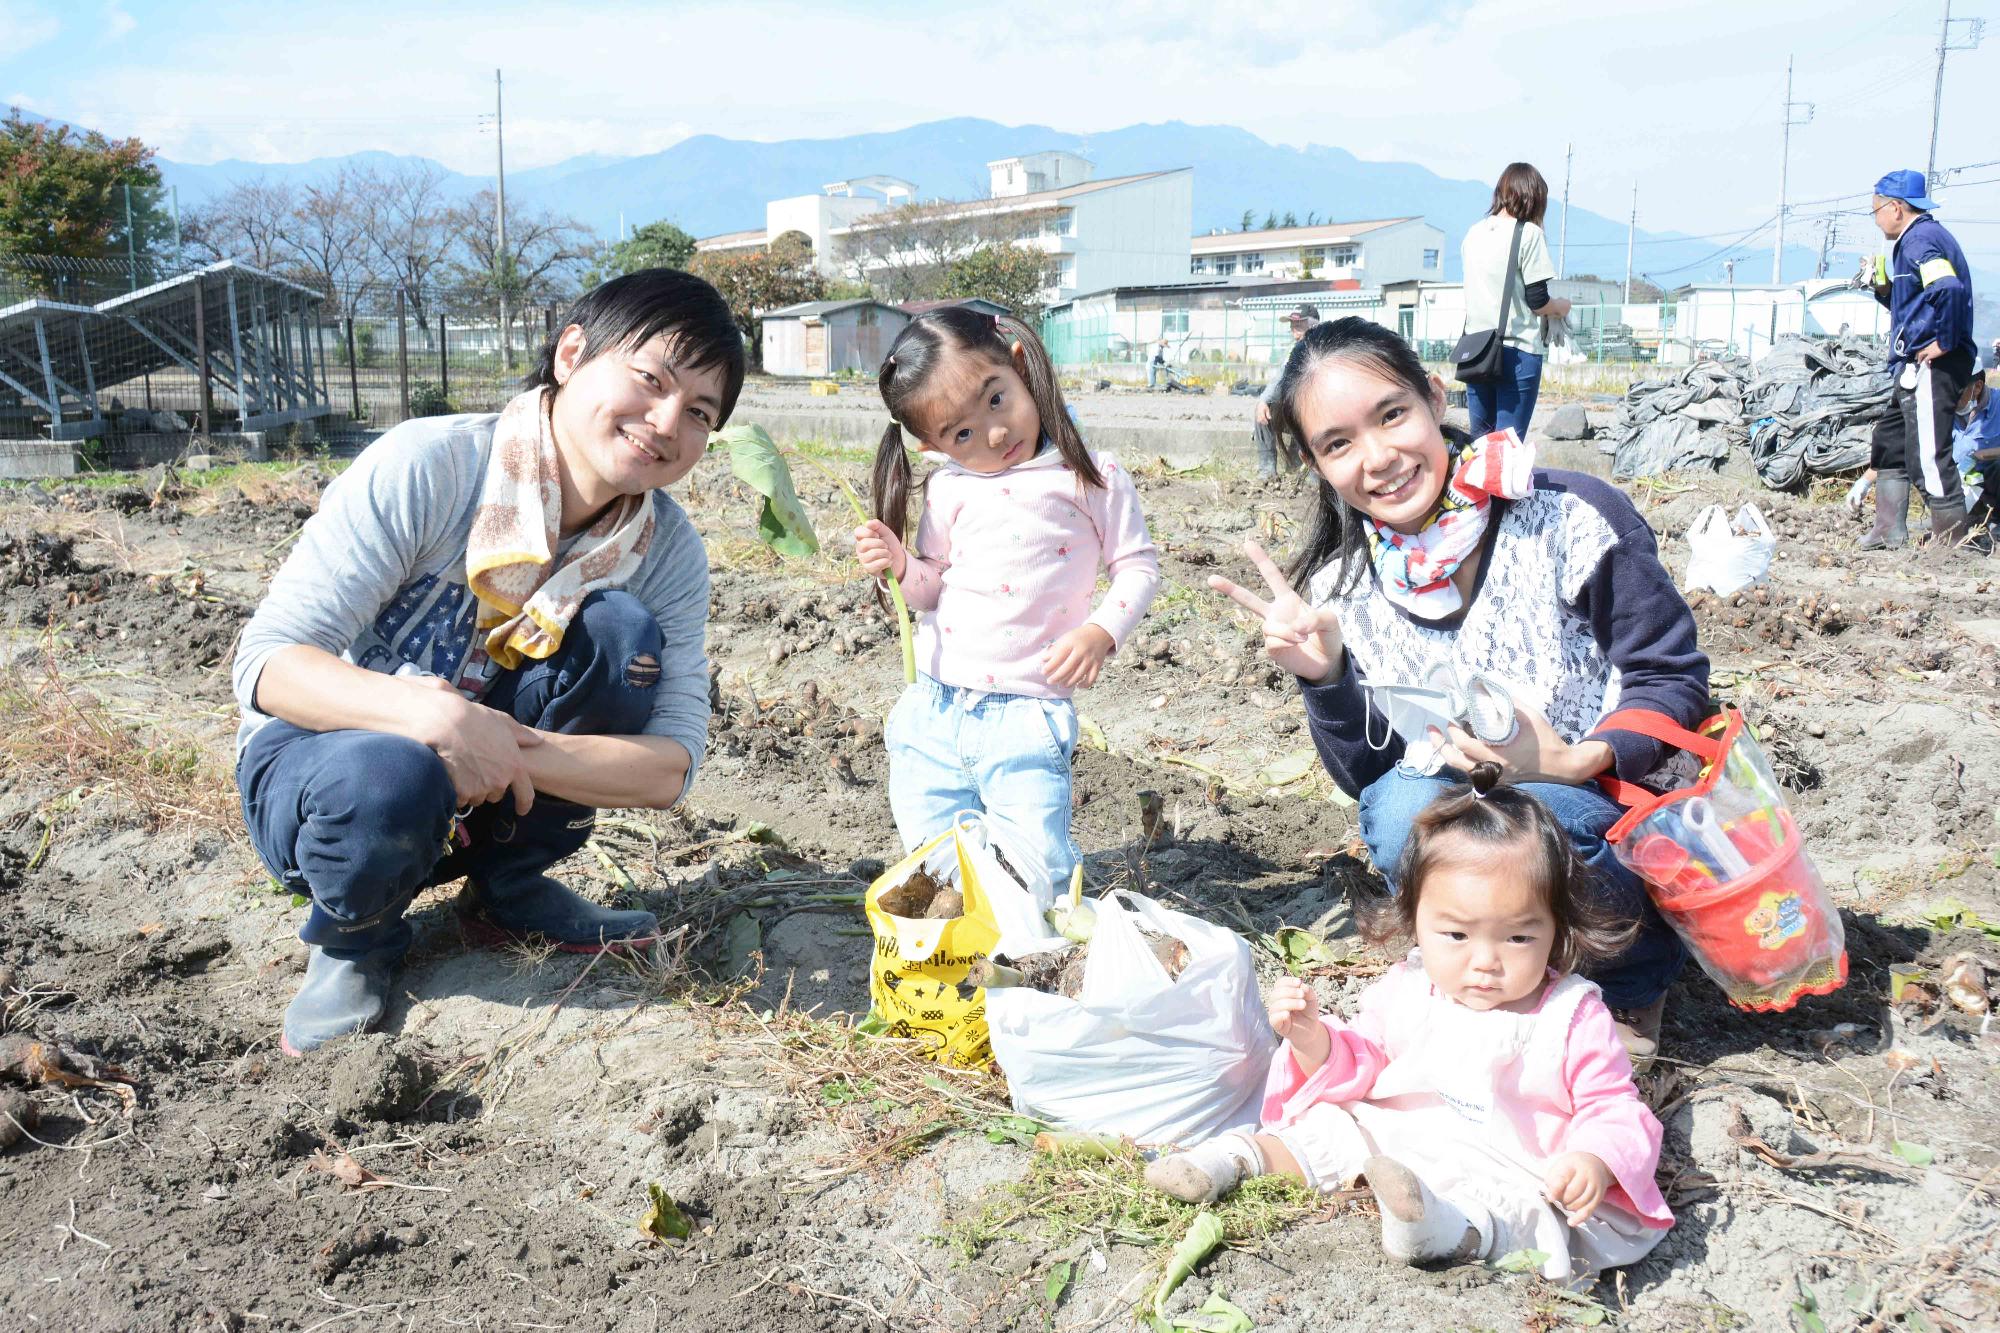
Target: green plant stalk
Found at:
895, 586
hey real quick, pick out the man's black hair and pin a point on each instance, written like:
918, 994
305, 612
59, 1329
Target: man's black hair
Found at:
632, 310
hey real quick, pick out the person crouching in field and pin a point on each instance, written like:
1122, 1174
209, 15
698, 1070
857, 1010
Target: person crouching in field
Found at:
492, 627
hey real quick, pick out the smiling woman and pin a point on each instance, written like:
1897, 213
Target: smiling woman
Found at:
1444, 570
492, 628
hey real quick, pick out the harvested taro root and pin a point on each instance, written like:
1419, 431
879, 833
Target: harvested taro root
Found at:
1060, 971
922, 898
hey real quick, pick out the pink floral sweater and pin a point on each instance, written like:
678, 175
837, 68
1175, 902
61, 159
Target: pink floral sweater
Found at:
1009, 563
1558, 1082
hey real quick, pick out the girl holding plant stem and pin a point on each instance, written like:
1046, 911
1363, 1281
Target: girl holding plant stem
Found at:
1016, 521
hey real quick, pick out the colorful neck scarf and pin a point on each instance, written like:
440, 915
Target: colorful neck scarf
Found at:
1416, 567
526, 599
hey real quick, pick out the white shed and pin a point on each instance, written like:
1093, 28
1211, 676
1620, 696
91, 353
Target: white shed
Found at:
826, 337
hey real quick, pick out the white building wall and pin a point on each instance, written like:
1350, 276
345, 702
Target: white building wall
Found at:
817, 215
785, 346
1745, 319
1131, 235
1396, 254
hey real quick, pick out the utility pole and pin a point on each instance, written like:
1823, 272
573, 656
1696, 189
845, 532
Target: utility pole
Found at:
1562, 246
503, 258
1784, 170
1631, 229
1977, 29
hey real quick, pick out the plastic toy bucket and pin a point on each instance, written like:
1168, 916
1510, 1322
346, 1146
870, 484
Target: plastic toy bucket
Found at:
1724, 864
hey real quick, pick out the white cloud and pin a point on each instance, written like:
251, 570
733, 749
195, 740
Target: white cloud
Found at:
117, 23
25, 26
1682, 94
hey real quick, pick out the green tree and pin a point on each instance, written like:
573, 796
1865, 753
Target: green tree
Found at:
1009, 275
64, 193
1271, 221
1249, 219
655, 245
780, 275
1291, 218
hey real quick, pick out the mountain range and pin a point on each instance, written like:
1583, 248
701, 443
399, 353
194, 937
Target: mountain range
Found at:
708, 184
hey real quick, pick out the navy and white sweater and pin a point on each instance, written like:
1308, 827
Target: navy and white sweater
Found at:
1572, 609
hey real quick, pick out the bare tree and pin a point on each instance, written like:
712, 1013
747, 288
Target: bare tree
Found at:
246, 223
546, 254
410, 228
327, 243
905, 252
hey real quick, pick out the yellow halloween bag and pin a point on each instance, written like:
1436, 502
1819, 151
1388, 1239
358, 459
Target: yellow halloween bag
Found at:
931, 917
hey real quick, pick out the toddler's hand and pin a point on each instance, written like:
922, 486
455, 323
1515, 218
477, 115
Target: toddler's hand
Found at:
1075, 659
878, 549
1576, 1183
1294, 1013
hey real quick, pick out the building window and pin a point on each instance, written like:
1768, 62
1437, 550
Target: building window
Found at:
1065, 271
1345, 256
1225, 265
1430, 259
1174, 321
1253, 263
1199, 264
1314, 254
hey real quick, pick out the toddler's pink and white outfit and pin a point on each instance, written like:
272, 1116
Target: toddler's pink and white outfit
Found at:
1005, 564
1479, 1104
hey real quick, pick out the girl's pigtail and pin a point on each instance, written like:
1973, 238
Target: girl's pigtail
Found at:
1046, 389
889, 486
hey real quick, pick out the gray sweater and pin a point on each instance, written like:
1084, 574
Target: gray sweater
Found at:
378, 577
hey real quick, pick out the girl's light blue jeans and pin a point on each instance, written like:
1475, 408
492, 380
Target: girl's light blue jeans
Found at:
1006, 756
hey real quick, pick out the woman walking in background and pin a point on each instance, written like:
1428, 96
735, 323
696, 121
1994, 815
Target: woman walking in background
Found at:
1519, 201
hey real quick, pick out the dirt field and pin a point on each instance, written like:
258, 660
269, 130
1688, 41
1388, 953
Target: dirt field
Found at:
518, 1107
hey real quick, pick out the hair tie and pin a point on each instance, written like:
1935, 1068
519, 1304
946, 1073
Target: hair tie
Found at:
993, 323
890, 364
1014, 347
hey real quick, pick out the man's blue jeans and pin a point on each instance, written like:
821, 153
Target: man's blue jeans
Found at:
1637, 977
1508, 401
358, 820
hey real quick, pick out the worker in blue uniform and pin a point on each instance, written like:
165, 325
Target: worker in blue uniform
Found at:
1927, 286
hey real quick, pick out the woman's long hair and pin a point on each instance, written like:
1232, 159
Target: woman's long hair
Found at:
1339, 536
1521, 193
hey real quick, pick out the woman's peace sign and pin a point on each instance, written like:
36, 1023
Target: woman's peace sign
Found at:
1298, 638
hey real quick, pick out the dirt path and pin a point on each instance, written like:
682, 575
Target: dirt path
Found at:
517, 1107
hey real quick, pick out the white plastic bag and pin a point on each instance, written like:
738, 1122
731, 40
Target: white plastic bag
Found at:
1724, 556
1163, 1060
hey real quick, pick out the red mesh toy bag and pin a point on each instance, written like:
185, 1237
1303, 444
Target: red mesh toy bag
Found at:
1724, 863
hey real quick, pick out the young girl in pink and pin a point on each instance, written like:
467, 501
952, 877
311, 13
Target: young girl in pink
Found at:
1017, 518
1482, 1091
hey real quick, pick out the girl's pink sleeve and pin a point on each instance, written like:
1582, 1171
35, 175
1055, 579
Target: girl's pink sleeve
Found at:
1130, 557
923, 575
1355, 1056
1607, 1119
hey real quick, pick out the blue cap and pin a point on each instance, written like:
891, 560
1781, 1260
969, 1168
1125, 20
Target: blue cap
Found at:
1907, 186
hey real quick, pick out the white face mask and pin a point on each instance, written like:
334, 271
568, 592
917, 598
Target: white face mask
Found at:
1422, 714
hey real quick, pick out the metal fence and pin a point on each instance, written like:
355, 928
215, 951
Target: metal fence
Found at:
110, 352
1250, 337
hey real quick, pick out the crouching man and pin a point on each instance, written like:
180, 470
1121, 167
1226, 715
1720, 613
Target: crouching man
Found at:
492, 628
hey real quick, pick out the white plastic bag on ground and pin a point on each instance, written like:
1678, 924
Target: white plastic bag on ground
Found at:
1163, 1060
1724, 556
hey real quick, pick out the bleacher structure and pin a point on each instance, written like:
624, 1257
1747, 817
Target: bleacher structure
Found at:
260, 338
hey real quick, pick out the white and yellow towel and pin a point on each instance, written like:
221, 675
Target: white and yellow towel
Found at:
526, 599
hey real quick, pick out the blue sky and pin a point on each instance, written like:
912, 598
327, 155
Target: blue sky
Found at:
1682, 95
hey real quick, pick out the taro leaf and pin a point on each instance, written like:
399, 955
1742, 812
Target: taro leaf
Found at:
1916, 1154
1951, 914
1590, 1316
1058, 1283
872, 1023
1292, 767
742, 938
1522, 1261
1019, 1130
1806, 1307
782, 522
1203, 1235
759, 832
664, 1219
1218, 1314
1302, 948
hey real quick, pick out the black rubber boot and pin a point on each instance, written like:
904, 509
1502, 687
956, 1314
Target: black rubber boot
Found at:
1892, 515
1948, 527
507, 895
348, 971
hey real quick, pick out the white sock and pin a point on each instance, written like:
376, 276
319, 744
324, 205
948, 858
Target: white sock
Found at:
1417, 1226
1207, 1171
